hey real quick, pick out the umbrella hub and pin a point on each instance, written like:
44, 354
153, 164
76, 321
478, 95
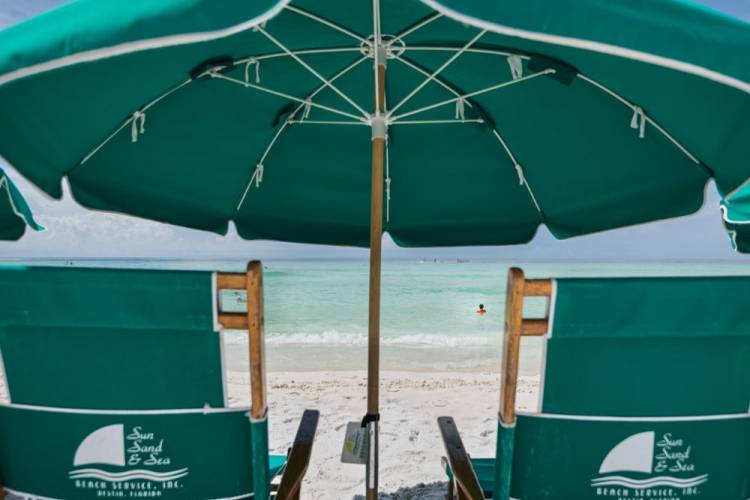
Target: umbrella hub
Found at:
379, 124
390, 47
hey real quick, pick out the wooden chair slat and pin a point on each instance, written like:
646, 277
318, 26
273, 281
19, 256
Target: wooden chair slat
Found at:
230, 281
467, 484
299, 457
538, 288
233, 321
534, 327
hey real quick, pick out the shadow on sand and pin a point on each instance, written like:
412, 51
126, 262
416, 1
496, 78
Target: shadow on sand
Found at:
421, 491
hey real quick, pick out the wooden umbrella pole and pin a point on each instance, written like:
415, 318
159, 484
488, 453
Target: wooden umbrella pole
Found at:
376, 236
514, 295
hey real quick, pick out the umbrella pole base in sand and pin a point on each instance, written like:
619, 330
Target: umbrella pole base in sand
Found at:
371, 482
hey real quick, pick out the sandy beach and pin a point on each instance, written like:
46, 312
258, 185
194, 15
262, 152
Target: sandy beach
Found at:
410, 444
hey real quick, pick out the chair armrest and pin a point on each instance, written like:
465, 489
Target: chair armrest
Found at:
299, 457
458, 460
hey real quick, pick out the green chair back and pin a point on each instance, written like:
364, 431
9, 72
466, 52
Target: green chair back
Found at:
681, 344
116, 389
110, 338
645, 394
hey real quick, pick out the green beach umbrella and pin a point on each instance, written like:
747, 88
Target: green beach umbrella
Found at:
442, 122
15, 214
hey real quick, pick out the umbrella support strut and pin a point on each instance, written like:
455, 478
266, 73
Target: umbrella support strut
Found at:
376, 236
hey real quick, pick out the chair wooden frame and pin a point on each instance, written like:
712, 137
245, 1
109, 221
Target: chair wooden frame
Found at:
516, 326
253, 321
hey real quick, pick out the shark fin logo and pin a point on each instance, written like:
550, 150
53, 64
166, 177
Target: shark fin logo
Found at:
664, 461
130, 457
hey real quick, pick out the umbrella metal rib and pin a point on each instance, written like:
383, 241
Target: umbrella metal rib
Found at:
519, 170
395, 119
632, 106
311, 70
438, 122
419, 25
307, 100
442, 67
300, 52
326, 122
221, 76
129, 121
470, 50
440, 81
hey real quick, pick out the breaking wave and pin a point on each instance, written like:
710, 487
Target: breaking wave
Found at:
336, 338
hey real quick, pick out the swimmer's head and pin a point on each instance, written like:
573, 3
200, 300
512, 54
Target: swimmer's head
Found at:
481, 306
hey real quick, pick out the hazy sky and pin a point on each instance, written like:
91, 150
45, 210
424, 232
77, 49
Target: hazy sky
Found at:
76, 232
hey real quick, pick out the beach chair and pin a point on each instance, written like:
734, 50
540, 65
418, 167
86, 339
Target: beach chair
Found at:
117, 390
645, 393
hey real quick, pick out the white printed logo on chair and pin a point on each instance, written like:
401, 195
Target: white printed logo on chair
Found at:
132, 462
665, 464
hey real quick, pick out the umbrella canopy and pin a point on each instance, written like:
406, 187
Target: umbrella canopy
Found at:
581, 115
15, 214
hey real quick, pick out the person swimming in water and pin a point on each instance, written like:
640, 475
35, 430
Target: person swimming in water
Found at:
481, 309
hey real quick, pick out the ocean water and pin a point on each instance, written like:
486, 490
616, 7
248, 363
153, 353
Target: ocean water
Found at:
316, 311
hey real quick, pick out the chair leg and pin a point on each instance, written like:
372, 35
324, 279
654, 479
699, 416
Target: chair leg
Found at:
299, 457
465, 480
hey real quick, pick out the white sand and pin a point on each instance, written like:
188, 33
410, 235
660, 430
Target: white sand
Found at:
410, 444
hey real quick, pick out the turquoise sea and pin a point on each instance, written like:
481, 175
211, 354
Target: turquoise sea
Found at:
316, 311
